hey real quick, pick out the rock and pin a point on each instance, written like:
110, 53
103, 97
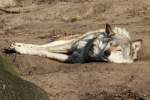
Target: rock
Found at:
14, 88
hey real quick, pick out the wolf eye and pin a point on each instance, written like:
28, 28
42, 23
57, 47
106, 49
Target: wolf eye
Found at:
118, 50
114, 44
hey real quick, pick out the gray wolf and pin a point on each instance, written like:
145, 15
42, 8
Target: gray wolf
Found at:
109, 45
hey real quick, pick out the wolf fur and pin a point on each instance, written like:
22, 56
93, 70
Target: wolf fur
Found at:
110, 45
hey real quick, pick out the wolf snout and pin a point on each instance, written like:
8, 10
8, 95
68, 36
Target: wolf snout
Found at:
107, 53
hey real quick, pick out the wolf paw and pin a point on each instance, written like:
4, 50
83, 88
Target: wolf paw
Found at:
19, 48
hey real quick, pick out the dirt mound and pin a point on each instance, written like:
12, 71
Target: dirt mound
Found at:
8, 3
111, 94
42, 21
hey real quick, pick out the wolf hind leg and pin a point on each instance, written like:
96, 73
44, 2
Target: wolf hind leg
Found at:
38, 50
60, 46
58, 43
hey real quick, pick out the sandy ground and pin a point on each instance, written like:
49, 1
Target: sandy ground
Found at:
41, 21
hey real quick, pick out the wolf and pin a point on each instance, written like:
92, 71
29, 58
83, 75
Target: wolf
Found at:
103, 45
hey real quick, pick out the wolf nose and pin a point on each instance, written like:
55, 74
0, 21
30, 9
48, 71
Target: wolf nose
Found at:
107, 53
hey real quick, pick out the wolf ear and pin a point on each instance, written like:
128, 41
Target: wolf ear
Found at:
108, 29
137, 44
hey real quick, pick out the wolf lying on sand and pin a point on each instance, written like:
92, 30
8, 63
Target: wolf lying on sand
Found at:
109, 45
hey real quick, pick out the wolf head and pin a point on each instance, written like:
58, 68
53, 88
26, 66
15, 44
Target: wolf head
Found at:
119, 48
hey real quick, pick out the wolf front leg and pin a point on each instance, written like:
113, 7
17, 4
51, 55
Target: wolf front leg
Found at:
55, 56
38, 50
26, 48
